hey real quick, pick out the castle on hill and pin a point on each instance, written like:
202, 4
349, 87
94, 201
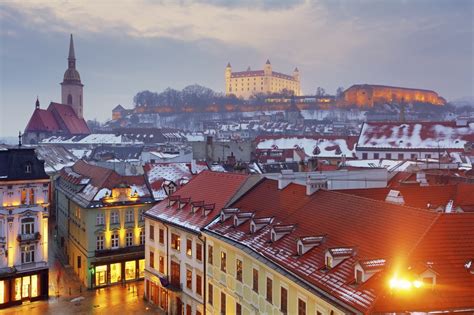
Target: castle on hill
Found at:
250, 82
60, 119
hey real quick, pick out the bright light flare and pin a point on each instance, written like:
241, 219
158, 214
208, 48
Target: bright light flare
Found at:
404, 284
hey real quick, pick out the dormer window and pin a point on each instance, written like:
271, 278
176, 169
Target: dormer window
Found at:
227, 213
258, 223
278, 231
365, 269
241, 217
28, 168
183, 202
306, 243
336, 255
394, 196
173, 199
196, 205
206, 209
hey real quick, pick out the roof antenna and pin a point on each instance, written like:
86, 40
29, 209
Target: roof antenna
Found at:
19, 138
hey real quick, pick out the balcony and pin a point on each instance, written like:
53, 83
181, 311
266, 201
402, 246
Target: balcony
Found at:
175, 286
28, 237
31, 266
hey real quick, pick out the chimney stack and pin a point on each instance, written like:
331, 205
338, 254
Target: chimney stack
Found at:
315, 182
285, 178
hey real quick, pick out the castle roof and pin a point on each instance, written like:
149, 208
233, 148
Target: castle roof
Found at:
375, 86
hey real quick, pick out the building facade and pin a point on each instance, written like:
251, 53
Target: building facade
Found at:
368, 95
247, 83
100, 223
175, 248
24, 212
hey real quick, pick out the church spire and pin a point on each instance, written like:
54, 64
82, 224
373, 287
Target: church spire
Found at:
37, 104
72, 56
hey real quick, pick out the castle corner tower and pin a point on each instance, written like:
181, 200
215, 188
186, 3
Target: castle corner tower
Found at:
71, 87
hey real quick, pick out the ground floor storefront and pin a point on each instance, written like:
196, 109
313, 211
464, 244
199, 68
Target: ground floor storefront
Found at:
116, 271
16, 287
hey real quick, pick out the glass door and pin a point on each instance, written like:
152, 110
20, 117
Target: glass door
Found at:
25, 289
100, 275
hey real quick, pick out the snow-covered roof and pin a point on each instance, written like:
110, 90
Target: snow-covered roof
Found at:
99, 138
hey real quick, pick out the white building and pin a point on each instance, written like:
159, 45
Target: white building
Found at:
24, 208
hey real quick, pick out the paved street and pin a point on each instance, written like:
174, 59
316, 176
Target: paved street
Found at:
73, 299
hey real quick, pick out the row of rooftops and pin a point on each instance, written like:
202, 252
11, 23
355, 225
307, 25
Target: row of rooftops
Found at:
325, 238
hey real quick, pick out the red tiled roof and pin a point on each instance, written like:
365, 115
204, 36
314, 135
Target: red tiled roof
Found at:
68, 120
377, 230
42, 120
210, 187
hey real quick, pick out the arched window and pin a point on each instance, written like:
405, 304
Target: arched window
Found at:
69, 99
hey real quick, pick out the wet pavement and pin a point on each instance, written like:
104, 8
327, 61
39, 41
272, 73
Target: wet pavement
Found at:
75, 299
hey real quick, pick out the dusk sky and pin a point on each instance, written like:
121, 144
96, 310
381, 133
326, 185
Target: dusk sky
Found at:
143, 44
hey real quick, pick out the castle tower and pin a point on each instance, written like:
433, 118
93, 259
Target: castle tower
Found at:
267, 69
296, 74
228, 74
71, 87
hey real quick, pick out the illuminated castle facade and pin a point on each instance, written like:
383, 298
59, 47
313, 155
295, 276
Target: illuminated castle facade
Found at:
247, 83
368, 95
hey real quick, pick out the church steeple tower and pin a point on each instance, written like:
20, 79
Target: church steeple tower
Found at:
72, 87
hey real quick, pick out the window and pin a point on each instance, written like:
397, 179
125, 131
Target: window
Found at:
161, 236
79, 262
284, 300
428, 156
188, 309
400, 156
100, 242
129, 216
27, 254
223, 302
152, 232
28, 168
152, 259
301, 307
359, 276
129, 239
210, 294
161, 264
238, 309
238, 270
140, 214
269, 290
223, 261
189, 247
142, 237
210, 254
189, 279
198, 284
114, 217
255, 280
115, 240
376, 155
328, 261
388, 156
32, 196
100, 219
27, 226
175, 242
23, 197
413, 156
199, 251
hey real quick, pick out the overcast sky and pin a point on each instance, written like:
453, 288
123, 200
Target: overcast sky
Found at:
123, 47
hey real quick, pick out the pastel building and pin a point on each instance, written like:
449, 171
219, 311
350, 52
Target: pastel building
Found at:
100, 223
175, 248
250, 82
24, 209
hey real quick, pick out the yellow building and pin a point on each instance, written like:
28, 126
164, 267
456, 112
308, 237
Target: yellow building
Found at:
247, 83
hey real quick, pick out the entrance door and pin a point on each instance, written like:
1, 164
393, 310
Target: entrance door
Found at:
100, 275
25, 287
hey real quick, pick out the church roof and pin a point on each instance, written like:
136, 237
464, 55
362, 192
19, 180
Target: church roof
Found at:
57, 118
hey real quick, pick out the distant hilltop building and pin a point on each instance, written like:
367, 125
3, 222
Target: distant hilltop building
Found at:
369, 95
64, 119
247, 83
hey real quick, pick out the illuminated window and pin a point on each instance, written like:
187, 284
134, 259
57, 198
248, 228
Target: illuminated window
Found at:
238, 270
27, 226
223, 261
17, 290
175, 242
114, 240
100, 242
129, 239
130, 269
32, 196
189, 279
198, 284
100, 219
100, 275
114, 218
210, 254
189, 247
129, 216
141, 268
115, 272
27, 254
23, 197
2, 292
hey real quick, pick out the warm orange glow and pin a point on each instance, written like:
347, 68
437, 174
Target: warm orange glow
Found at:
404, 283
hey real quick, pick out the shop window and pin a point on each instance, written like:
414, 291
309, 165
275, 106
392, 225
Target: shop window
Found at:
141, 268
27, 226
189, 279
27, 254
100, 275
114, 240
3, 290
223, 261
129, 239
17, 290
189, 247
115, 272
175, 242
130, 270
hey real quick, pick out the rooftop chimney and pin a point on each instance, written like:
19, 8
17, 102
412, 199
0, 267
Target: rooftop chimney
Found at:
315, 182
285, 178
